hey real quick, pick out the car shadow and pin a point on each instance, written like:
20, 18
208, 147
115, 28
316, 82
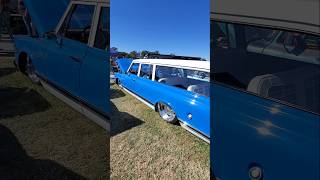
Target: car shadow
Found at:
116, 93
21, 101
6, 71
16, 164
122, 121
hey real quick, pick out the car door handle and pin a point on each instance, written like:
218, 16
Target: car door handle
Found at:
76, 59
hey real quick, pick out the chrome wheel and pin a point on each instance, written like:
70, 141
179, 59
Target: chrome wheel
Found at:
166, 113
31, 72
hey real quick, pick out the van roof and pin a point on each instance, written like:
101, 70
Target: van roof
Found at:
189, 64
296, 15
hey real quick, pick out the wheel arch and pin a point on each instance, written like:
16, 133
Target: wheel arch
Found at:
22, 61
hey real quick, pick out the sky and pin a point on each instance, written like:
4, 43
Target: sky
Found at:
180, 27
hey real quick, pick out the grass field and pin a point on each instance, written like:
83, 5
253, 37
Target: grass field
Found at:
43, 138
143, 146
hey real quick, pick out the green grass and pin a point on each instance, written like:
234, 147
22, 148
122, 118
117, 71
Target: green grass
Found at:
143, 146
43, 138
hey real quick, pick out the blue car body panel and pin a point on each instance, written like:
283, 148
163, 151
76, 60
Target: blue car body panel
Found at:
248, 130
74, 68
46, 19
181, 101
123, 64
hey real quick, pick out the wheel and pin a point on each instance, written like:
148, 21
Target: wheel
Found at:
166, 113
31, 72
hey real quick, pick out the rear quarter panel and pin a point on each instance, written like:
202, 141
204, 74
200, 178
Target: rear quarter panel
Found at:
246, 129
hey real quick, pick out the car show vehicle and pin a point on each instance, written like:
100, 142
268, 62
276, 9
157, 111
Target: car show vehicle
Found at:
67, 52
177, 89
265, 89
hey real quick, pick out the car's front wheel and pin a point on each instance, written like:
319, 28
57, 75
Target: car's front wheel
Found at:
31, 72
166, 113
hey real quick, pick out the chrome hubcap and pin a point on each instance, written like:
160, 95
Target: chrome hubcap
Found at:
166, 112
31, 73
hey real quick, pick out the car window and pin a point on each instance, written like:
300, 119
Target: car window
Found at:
102, 35
77, 25
271, 63
146, 71
134, 69
190, 80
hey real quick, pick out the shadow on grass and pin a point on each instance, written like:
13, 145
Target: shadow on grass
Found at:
16, 164
6, 71
122, 121
116, 93
21, 101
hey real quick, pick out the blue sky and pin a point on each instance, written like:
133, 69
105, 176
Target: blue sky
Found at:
180, 27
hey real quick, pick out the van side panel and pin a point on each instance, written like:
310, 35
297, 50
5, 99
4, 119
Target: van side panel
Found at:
251, 131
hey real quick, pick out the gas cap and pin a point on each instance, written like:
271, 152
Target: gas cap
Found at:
255, 173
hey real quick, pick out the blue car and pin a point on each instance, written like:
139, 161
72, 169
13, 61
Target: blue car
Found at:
67, 53
177, 89
265, 90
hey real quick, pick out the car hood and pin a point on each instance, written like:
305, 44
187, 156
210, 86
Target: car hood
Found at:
46, 14
123, 64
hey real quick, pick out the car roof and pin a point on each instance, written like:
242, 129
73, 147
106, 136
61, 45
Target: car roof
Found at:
296, 15
189, 64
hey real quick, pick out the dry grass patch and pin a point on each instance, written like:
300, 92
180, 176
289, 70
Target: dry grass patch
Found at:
152, 148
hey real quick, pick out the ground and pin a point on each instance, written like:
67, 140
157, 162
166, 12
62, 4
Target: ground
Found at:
143, 146
43, 138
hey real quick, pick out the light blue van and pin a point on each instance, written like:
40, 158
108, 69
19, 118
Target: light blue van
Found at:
177, 89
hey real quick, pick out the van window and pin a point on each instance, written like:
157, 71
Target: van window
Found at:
270, 63
190, 80
102, 35
146, 71
134, 69
77, 25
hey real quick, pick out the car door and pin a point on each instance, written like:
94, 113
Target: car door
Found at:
144, 84
132, 76
67, 51
94, 71
265, 113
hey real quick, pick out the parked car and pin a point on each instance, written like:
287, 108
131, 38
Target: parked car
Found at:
265, 90
67, 52
177, 89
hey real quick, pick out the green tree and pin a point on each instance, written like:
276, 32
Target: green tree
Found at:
133, 55
143, 53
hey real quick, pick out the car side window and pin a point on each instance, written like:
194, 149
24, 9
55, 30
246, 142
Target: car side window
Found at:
146, 71
103, 36
289, 72
134, 69
77, 24
187, 79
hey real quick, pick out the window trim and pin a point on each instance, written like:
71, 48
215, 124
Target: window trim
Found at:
66, 13
128, 71
253, 94
151, 70
92, 38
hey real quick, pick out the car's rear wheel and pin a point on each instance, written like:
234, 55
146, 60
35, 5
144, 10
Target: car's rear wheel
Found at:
31, 72
166, 113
